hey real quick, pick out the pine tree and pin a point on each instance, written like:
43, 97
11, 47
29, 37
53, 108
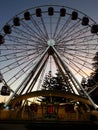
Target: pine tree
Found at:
54, 83
95, 66
93, 80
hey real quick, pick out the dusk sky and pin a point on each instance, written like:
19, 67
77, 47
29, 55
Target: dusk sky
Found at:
9, 8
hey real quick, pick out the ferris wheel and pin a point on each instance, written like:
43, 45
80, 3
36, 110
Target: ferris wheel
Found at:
27, 35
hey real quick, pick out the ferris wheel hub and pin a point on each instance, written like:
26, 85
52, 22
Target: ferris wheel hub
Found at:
51, 42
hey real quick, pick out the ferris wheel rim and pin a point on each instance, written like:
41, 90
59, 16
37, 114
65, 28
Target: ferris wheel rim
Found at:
61, 47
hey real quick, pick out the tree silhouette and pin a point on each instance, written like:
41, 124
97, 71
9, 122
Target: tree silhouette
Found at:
54, 83
93, 80
95, 66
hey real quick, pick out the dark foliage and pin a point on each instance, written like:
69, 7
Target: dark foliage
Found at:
54, 83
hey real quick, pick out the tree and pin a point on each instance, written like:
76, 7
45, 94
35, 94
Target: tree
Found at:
95, 66
93, 80
54, 83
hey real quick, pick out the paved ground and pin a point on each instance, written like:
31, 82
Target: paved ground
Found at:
28, 125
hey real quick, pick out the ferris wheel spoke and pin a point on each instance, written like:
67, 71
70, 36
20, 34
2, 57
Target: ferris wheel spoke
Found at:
38, 28
77, 34
29, 34
56, 28
70, 30
45, 28
80, 65
63, 28
20, 73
